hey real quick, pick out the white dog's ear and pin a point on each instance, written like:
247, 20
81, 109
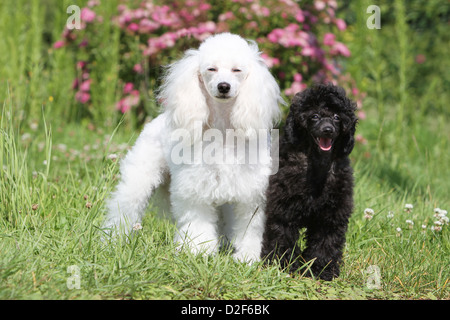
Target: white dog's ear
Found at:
257, 104
181, 94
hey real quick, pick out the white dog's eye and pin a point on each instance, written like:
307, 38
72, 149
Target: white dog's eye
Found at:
212, 69
236, 70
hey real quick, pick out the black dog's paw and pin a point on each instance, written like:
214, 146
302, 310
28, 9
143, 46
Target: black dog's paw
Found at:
317, 270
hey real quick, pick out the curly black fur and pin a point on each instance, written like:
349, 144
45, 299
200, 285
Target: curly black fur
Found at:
313, 187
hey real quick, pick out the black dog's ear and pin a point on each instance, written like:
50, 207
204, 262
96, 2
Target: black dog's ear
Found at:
289, 128
347, 138
295, 127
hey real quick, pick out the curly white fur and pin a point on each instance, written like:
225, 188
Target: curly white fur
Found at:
223, 85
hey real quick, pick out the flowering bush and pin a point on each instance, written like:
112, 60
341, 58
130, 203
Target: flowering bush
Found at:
299, 42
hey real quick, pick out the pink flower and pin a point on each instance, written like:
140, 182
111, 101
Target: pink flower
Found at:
85, 85
139, 13
83, 43
69, 35
420, 58
340, 48
58, 44
319, 5
129, 101
81, 65
204, 6
208, 26
328, 39
270, 62
75, 83
340, 24
307, 51
138, 68
295, 87
125, 18
226, 16
299, 16
93, 3
122, 106
146, 25
133, 27
265, 11
361, 115
87, 15
361, 139
273, 36
128, 87
82, 97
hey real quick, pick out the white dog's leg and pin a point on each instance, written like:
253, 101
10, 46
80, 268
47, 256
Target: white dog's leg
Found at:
142, 171
197, 226
248, 228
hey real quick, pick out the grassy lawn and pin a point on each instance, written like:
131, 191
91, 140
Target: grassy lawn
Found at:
55, 175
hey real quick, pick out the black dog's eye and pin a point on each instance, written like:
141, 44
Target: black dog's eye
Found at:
212, 69
336, 117
236, 70
315, 117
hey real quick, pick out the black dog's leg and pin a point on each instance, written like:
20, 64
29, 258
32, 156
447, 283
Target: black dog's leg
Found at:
279, 242
325, 244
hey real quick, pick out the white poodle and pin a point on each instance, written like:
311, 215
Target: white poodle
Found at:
214, 96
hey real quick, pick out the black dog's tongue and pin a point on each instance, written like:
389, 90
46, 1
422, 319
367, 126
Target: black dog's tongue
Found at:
325, 144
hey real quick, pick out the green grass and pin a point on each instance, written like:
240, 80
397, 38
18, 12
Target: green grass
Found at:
55, 175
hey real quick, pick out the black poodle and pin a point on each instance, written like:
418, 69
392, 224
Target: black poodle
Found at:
313, 187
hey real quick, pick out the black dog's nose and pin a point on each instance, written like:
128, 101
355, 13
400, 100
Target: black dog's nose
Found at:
224, 87
328, 129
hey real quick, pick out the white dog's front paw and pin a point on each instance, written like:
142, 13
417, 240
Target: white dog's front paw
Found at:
115, 228
203, 247
248, 257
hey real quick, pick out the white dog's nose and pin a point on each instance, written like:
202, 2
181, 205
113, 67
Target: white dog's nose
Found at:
223, 87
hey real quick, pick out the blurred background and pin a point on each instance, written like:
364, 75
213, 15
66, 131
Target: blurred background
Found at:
108, 68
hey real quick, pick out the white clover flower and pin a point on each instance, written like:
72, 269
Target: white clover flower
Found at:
399, 232
112, 156
390, 214
424, 227
137, 226
436, 228
408, 207
437, 212
410, 223
368, 213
